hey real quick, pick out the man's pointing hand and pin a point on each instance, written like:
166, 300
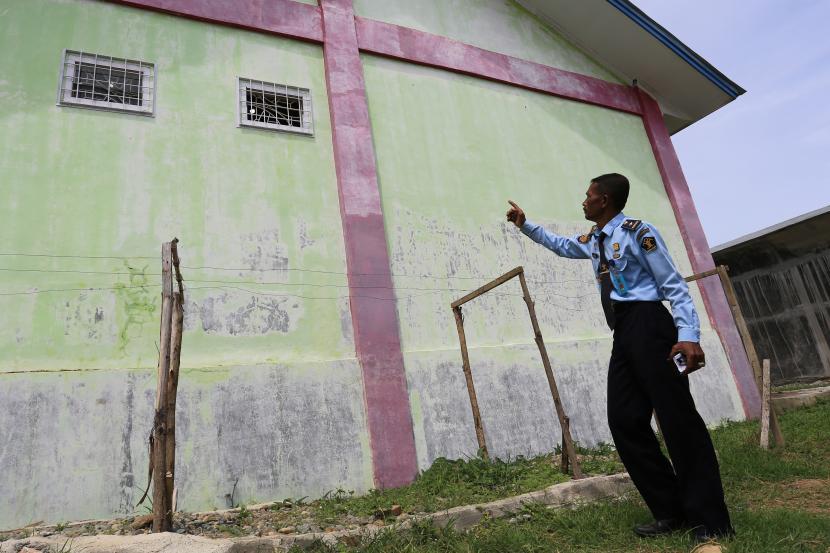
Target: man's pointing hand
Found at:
515, 214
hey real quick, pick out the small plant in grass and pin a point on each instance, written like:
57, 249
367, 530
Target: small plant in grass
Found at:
244, 513
230, 530
60, 527
65, 548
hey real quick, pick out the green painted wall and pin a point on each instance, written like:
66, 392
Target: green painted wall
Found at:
498, 25
270, 386
451, 151
78, 181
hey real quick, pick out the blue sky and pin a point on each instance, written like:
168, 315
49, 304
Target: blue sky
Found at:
765, 157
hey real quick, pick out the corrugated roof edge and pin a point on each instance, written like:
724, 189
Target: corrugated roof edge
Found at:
675, 45
770, 230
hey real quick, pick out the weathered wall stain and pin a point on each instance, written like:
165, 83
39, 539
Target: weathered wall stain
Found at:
241, 314
138, 303
79, 441
126, 504
263, 251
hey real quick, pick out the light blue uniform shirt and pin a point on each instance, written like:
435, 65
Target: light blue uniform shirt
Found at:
640, 265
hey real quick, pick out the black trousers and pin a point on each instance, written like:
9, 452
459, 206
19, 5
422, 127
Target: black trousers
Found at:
642, 378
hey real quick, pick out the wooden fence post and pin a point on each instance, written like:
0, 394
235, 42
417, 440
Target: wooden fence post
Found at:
161, 518
173, 383
765, 405
471, 389
569, 450
564, 422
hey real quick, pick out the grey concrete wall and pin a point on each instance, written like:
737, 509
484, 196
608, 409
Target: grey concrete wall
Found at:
73, 444
516, 406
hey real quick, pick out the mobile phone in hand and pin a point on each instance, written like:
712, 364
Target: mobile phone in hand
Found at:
680, 362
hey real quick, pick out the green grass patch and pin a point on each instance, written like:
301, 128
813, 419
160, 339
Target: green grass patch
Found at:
778, 501
450, 483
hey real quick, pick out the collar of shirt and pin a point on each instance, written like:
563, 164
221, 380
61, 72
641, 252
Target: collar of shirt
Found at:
611, 225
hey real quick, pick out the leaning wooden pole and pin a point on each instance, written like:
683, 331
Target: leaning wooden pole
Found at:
749, 345
765, 406
471, 389
162, 520
173, 382
570, 450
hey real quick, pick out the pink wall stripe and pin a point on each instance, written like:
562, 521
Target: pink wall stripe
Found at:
436, 51
698, 248
375, 319
303, 21
281, 17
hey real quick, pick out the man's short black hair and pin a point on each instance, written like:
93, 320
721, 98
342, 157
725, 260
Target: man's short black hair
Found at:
616, 186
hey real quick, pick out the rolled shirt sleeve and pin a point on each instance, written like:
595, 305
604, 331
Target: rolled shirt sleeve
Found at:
562, 246
659, 264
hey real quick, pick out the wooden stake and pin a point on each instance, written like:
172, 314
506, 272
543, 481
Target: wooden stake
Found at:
161, 516
749, 345
554, 391
487, 287
765, 406
569, 450
468, 376
173, 381
563, 461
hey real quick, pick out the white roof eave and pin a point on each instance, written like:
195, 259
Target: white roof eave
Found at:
631, 45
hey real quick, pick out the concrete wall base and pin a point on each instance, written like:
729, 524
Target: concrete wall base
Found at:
565, 495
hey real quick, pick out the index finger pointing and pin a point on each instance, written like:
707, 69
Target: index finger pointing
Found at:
513, 204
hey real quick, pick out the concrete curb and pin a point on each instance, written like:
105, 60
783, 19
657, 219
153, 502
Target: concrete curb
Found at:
558, 496
787, 401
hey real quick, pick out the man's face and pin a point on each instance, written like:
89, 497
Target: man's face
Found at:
595, 203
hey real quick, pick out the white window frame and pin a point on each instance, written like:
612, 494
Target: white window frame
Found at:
67, 77
242, 84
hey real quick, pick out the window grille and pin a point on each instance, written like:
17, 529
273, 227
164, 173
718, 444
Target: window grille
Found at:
275, 106
105, 82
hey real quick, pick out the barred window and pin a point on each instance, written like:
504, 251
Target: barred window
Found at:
275, 106
105, 82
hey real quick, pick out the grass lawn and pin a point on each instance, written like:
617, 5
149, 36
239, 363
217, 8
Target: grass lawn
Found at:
466, 481
779, 501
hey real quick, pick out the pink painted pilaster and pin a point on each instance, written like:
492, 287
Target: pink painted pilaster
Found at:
423, 48
281, 17
698, 248
374, 315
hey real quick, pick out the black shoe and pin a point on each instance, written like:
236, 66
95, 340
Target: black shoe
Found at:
702, 535
659, 527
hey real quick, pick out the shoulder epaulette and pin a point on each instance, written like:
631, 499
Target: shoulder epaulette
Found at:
642, 232
632, 224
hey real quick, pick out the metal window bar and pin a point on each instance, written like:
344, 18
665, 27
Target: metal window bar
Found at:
106, 82
272, 106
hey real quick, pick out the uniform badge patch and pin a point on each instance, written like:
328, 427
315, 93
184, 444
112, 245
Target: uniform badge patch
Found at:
583, 239
648, 243
616, 246
642, 232
632, 224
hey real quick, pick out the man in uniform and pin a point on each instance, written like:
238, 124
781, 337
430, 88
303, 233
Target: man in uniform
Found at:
635, 273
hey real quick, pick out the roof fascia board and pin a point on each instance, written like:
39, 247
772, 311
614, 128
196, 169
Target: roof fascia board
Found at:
675, 45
